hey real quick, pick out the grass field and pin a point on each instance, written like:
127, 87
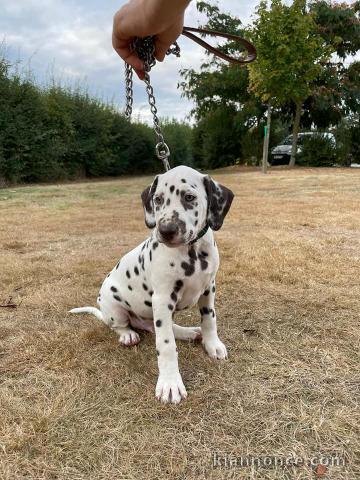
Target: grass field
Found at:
75, 405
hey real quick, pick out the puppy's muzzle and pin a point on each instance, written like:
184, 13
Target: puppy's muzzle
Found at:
168, 231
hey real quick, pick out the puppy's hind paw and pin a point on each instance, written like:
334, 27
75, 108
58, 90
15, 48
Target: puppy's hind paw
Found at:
129, 338
187, 333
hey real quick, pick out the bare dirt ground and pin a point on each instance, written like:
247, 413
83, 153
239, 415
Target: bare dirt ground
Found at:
75, 405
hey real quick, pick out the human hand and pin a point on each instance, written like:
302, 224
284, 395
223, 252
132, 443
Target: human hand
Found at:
139, 18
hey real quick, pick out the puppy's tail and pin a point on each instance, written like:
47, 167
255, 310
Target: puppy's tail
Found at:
93, 310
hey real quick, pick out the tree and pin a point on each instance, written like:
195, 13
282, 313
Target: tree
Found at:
290, 55
336, 91
224, 108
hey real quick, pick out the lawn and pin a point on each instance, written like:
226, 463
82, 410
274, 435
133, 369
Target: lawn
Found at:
74, 404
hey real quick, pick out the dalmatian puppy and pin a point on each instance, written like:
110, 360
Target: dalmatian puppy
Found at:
173, 269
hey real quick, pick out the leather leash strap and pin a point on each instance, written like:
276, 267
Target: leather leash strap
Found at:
187, 32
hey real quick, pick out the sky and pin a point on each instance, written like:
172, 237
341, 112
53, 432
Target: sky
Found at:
71, 41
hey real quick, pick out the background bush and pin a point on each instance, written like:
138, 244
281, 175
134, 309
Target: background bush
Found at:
317, 151
59, 133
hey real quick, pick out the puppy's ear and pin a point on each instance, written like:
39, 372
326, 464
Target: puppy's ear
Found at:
219, 202
147, 200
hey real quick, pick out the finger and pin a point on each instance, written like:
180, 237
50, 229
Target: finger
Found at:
160, 49
122, 48
140, 74
166, 38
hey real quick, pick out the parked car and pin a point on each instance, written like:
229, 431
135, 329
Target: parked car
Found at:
280, 155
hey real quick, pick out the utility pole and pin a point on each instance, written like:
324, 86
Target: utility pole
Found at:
266, 140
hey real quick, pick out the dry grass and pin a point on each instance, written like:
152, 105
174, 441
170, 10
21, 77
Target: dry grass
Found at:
76, 405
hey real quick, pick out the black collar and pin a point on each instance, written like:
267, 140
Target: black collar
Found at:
200, 234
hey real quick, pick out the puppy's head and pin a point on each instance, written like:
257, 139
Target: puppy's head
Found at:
180, 203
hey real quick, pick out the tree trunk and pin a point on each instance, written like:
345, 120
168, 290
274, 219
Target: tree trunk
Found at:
266, 140
295, 134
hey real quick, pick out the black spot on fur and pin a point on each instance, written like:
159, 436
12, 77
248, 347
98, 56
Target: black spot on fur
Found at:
192, 254
151, 293
117, 298
178, 285
196, 222
155, 245
173, 297
150, 255
196, 213
204, 311
203, 253
172, 264
183, 180
168, 202
177, 191
143, 247
147, 303
145, 287
206, 293
166, 340
203, 263
128, 274
213, 289
157, 352
117, 265
113, 289
188, 268
172, 188
136, 270
130, 287
127, 303
170, 307
158, 323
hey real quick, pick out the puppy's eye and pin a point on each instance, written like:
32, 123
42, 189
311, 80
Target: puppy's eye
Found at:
189, 197
157, 200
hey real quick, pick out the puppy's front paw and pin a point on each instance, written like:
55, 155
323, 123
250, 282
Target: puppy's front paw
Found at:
215, 349
170, 389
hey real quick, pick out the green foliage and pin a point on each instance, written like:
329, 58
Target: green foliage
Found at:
317, 151
290, 52
336, 91
59, 133
178, 136
294, 44
216, 142
338, 24
348, 140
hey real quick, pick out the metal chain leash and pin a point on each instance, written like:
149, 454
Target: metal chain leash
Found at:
145, 49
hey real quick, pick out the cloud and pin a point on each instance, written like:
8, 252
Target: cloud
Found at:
71, 39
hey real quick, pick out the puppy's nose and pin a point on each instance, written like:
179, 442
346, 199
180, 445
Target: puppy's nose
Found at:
168, 230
